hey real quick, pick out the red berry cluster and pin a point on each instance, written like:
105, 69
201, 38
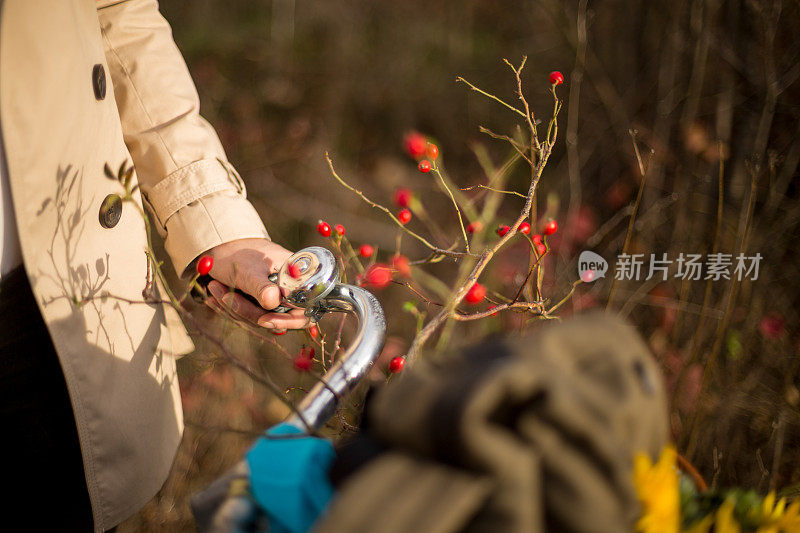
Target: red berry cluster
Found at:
418, 147
324, 229
525, 228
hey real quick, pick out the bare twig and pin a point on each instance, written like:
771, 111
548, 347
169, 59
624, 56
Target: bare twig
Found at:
493, 97
421, 239
515, 193
636, 204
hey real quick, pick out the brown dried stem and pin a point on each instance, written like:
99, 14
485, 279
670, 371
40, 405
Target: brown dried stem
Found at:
420, 238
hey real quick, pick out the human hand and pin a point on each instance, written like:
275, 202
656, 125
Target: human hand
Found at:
245, 264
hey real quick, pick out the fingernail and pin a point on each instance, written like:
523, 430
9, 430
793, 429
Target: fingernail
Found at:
268, 325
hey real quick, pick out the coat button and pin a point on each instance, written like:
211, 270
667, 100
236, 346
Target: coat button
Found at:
110, 211
99, 81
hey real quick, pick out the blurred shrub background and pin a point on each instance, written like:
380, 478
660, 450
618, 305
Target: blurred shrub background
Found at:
283, 81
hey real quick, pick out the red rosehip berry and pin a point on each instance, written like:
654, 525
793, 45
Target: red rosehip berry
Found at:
307, 351
339, 229
524, 227
492, 307
432, 152
474, 227
397, 364
550, 228
541, 248
313, 331
205, 264
366, 250
424, 166
415, 144
537, 238
400, 264
278, 332
378, 276
403, 197
293, 270
476, 294
556, 78
324, 229
771, 326
302, 363
502, 230
404, 216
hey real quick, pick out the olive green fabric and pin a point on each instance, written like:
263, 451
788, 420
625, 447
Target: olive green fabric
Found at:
526, 434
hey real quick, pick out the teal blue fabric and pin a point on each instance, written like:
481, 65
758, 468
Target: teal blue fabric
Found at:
289, 478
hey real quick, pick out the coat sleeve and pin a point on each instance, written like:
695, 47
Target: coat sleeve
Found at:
196, 197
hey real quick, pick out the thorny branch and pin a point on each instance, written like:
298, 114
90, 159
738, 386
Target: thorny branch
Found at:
472, 265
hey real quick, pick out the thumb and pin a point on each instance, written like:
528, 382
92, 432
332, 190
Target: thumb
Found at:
262, 289
268, 295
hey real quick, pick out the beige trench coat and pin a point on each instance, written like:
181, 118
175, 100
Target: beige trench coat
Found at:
83, 84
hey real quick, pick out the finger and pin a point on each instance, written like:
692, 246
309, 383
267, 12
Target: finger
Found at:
243, 307
214, 304
222, 299
258, 285
217, 289
295, 319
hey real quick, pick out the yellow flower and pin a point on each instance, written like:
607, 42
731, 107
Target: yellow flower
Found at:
725, 522
790, 521
657, 488
701, 526
777, 518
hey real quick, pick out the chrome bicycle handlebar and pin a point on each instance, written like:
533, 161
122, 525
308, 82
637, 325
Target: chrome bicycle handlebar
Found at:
310, 280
